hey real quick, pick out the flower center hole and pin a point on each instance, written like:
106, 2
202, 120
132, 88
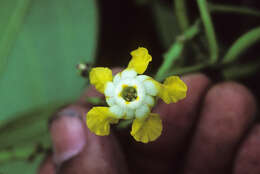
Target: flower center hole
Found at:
129, 94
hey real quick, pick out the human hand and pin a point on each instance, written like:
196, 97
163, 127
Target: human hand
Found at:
207, 132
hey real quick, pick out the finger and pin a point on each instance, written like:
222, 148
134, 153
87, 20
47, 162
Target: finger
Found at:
248, 159
47, 166
100, 155
227, 111
76, 150
68, 135
177, 122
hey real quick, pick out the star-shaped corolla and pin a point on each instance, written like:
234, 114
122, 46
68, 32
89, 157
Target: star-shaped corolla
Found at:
131, 95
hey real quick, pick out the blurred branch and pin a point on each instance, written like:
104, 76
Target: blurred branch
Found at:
241, 44
209, 29
188, 69
237, 71
181, 14
232, 9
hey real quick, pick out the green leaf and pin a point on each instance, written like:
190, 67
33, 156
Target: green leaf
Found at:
54, 37
241, 45
11, 22
41, 42
209, 29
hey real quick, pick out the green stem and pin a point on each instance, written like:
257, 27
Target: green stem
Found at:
233, 9
209, 29
175, 51
95, 101
124, 124
181, 14
169, 58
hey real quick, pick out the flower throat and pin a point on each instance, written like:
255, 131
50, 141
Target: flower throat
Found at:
129, 94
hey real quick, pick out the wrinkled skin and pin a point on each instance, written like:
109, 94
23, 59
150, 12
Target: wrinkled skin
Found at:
211, 131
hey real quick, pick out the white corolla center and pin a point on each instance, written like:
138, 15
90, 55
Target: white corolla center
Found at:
130, 95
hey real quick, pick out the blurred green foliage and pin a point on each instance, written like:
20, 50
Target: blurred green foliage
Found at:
241, 45
40, 44
166, 23
16, 166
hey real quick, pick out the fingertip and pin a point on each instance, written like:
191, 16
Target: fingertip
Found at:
234, 97
102, 154
68, 133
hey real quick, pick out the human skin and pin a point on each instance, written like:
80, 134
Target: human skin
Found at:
210, 131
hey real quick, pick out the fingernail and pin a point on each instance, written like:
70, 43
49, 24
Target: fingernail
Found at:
68, 135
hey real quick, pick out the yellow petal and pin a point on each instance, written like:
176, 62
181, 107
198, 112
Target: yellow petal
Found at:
99, 77
173, 90
148, 129
99, 119
140, 60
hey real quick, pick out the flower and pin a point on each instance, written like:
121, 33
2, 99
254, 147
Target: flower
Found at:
131, 95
